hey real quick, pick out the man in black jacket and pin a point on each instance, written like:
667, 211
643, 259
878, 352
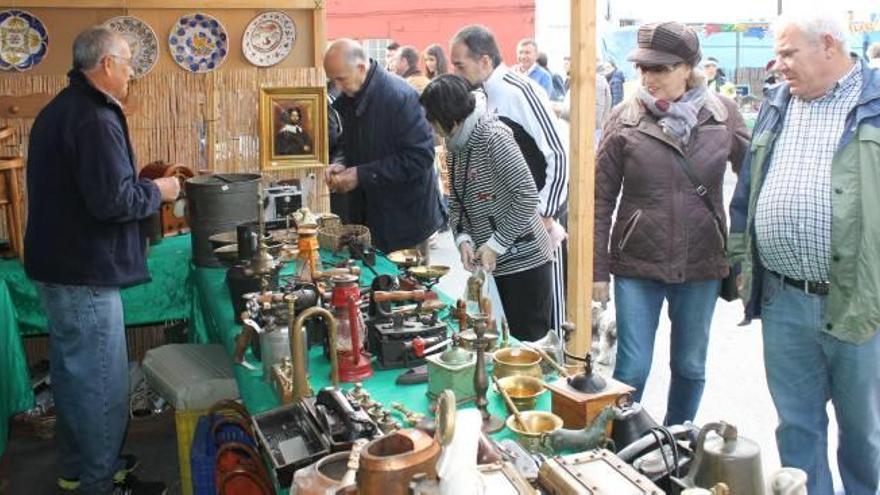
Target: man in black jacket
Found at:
388, 172
82, 245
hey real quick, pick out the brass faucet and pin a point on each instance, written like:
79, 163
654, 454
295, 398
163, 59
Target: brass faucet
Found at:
301, 386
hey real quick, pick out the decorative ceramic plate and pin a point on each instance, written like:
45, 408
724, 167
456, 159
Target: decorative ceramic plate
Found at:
24, 40
268, 39
198, 43
141, 39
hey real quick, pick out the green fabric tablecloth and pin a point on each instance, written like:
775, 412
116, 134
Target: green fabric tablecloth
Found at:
15, 383
179, 290
166, 297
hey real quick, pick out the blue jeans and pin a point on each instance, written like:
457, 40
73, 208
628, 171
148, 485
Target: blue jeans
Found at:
807, 367
89, 371
691, 305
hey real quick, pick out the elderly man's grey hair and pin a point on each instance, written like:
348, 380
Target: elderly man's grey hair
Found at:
815, 25
92, 45
353, 52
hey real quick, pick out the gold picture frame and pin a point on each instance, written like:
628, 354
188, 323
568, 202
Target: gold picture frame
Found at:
293, 128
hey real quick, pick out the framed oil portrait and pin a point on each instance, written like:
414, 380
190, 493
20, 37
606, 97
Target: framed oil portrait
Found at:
293, 128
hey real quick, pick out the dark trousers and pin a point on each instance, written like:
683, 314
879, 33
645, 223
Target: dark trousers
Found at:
527, 298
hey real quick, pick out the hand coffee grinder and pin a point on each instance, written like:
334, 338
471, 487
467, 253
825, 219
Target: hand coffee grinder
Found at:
354, 362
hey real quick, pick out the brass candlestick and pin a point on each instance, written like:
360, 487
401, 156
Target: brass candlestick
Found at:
491, 424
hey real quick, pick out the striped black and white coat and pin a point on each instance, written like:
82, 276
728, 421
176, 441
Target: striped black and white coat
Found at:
493, 199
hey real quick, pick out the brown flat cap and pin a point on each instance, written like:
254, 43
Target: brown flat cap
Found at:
666, 43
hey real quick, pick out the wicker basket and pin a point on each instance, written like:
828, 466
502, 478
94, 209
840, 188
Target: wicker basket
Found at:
332, 236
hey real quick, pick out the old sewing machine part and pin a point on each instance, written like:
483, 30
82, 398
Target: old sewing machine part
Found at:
279, 201
597, 472
399, 337
354, 361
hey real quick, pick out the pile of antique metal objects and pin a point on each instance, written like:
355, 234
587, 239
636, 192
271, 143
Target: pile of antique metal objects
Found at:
594, 440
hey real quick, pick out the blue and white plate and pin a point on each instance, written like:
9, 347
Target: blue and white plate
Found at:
198, 43
24, 40
141, 39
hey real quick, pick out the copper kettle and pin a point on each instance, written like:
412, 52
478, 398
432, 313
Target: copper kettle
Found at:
727, 458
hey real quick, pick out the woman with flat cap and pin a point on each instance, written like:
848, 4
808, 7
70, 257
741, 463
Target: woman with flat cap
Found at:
664, 152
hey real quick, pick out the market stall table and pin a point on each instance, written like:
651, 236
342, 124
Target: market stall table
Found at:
180, 290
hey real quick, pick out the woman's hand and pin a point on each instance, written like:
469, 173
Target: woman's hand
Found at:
487, 258
466, 250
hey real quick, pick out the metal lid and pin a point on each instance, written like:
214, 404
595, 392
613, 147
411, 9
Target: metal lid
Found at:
455, 356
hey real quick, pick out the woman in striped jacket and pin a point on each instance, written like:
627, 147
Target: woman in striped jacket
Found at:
493, 204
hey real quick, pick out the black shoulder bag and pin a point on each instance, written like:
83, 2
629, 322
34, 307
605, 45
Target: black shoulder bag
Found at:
728, 290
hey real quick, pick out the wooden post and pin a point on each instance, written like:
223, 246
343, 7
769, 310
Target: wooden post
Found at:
319, 19
582, 169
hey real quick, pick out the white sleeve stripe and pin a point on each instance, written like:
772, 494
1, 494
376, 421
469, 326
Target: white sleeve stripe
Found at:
557, 187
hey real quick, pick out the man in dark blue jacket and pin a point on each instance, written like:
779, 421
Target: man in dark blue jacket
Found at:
388, 172
81, 246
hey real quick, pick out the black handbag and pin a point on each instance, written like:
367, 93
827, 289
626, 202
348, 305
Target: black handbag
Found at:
728, 290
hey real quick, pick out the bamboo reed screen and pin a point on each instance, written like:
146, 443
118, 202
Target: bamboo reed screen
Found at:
208, 122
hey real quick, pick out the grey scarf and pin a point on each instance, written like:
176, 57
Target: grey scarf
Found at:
676, 118
459, 137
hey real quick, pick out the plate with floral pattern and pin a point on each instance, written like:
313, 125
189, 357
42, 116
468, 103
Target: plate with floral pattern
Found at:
24, 40
268, 38
198, 43
141, 39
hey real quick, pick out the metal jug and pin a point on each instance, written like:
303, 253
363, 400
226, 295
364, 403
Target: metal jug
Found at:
729, 459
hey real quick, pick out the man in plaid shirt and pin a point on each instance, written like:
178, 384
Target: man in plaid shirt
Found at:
805, 227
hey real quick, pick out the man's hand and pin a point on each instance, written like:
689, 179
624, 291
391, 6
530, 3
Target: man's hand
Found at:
487, 258
466, 250
341, 179
169, 188
332, 170
601, 292
548, 222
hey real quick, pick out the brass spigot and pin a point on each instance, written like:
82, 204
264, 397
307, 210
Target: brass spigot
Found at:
296, 344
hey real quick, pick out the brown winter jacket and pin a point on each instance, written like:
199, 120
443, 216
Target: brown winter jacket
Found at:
663, 230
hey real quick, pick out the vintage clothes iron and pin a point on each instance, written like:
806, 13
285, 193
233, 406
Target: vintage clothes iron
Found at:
397, 335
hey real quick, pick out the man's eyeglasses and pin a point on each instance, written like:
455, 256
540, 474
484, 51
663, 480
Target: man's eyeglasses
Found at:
657, 69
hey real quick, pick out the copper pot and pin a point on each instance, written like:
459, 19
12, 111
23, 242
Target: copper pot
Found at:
323, 476
387, 464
